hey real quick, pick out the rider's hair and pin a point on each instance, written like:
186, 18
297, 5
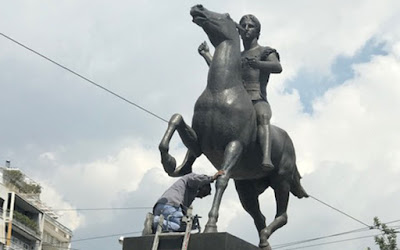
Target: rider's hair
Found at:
254, 20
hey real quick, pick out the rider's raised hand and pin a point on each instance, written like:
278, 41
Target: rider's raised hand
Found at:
203, 48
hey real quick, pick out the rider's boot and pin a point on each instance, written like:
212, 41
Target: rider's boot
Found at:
265, 142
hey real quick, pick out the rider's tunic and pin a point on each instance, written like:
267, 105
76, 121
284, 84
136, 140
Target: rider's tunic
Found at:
256, 89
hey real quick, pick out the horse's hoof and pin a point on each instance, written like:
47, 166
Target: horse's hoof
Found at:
265, 246
264, 235
210, 229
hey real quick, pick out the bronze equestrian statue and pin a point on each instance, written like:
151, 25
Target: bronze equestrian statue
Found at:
224, 129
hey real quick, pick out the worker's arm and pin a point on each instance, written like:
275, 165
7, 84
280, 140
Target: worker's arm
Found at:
198, 180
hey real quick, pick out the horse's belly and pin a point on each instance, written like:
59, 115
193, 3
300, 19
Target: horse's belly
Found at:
249, 166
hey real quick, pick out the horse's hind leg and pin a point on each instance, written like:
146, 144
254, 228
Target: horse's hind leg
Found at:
248, 196
189, 138
232, 154
282, 199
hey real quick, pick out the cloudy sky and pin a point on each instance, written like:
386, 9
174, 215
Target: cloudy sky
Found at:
338, 97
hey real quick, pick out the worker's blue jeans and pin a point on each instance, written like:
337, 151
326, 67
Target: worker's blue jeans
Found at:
172, 217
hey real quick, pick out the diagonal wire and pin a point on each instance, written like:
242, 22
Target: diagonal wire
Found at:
100, 209
279, 246
104, 236
84, 78
336, 241
320, 238
393, 221
326, 204
333, 242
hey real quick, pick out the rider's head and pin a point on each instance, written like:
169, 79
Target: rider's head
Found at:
204, 191
250, 24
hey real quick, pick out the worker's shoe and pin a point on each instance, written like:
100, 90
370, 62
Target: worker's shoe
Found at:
148, 224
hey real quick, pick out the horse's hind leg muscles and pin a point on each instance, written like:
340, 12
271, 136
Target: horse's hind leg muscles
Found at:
189, 138
233, 152
248, 196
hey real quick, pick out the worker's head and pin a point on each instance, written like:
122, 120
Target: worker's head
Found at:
204, 191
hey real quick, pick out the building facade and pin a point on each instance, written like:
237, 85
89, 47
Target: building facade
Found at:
3, 209
25, 222
55, 235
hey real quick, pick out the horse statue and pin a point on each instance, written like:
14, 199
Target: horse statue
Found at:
224, 130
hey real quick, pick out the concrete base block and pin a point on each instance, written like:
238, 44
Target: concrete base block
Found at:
203, 241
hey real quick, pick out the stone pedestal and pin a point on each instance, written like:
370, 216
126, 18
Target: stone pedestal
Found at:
203, 241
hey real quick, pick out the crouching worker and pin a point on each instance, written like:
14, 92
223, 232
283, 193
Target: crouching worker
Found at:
175, 201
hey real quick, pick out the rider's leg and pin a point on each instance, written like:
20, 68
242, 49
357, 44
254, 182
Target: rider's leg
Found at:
264, 113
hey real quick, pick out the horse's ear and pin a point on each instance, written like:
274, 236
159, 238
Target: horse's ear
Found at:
239, 28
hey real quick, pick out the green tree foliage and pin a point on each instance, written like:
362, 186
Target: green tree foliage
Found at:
387, 240
17, 179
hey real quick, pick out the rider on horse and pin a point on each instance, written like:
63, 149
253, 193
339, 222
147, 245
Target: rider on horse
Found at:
257, 64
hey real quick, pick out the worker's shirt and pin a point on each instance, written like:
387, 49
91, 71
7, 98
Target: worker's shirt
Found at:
184, 190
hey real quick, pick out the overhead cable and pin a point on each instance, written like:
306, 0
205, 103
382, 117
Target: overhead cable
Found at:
326, 204
84, 78
333, 242
320, 238
99, 209
105, 236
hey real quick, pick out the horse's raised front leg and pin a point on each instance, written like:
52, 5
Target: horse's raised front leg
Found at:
281, 218
232, 154
189, 138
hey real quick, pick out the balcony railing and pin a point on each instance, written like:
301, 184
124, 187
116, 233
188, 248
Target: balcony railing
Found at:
26, 228
15, 247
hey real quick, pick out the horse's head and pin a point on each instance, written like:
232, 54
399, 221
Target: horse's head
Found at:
219, 27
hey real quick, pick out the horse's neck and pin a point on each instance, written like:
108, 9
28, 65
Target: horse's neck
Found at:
225, 70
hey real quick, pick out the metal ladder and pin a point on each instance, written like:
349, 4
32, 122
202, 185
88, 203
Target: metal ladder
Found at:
188, 219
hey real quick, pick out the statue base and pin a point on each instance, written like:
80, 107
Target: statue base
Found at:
209, 241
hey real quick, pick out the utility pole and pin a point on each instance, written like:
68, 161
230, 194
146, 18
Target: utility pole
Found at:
10, 218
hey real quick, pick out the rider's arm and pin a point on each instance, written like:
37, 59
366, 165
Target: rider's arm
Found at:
204, 51
270, 65
208, 58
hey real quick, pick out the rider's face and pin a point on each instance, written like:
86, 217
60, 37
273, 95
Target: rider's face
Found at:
250, 30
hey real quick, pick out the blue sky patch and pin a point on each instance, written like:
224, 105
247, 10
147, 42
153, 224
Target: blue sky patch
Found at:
310, 86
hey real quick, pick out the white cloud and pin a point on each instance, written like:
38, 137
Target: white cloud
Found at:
347, 149
51, 197
106, 177
47, 156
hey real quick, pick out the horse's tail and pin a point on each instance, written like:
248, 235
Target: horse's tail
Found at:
287, 163
296, 189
